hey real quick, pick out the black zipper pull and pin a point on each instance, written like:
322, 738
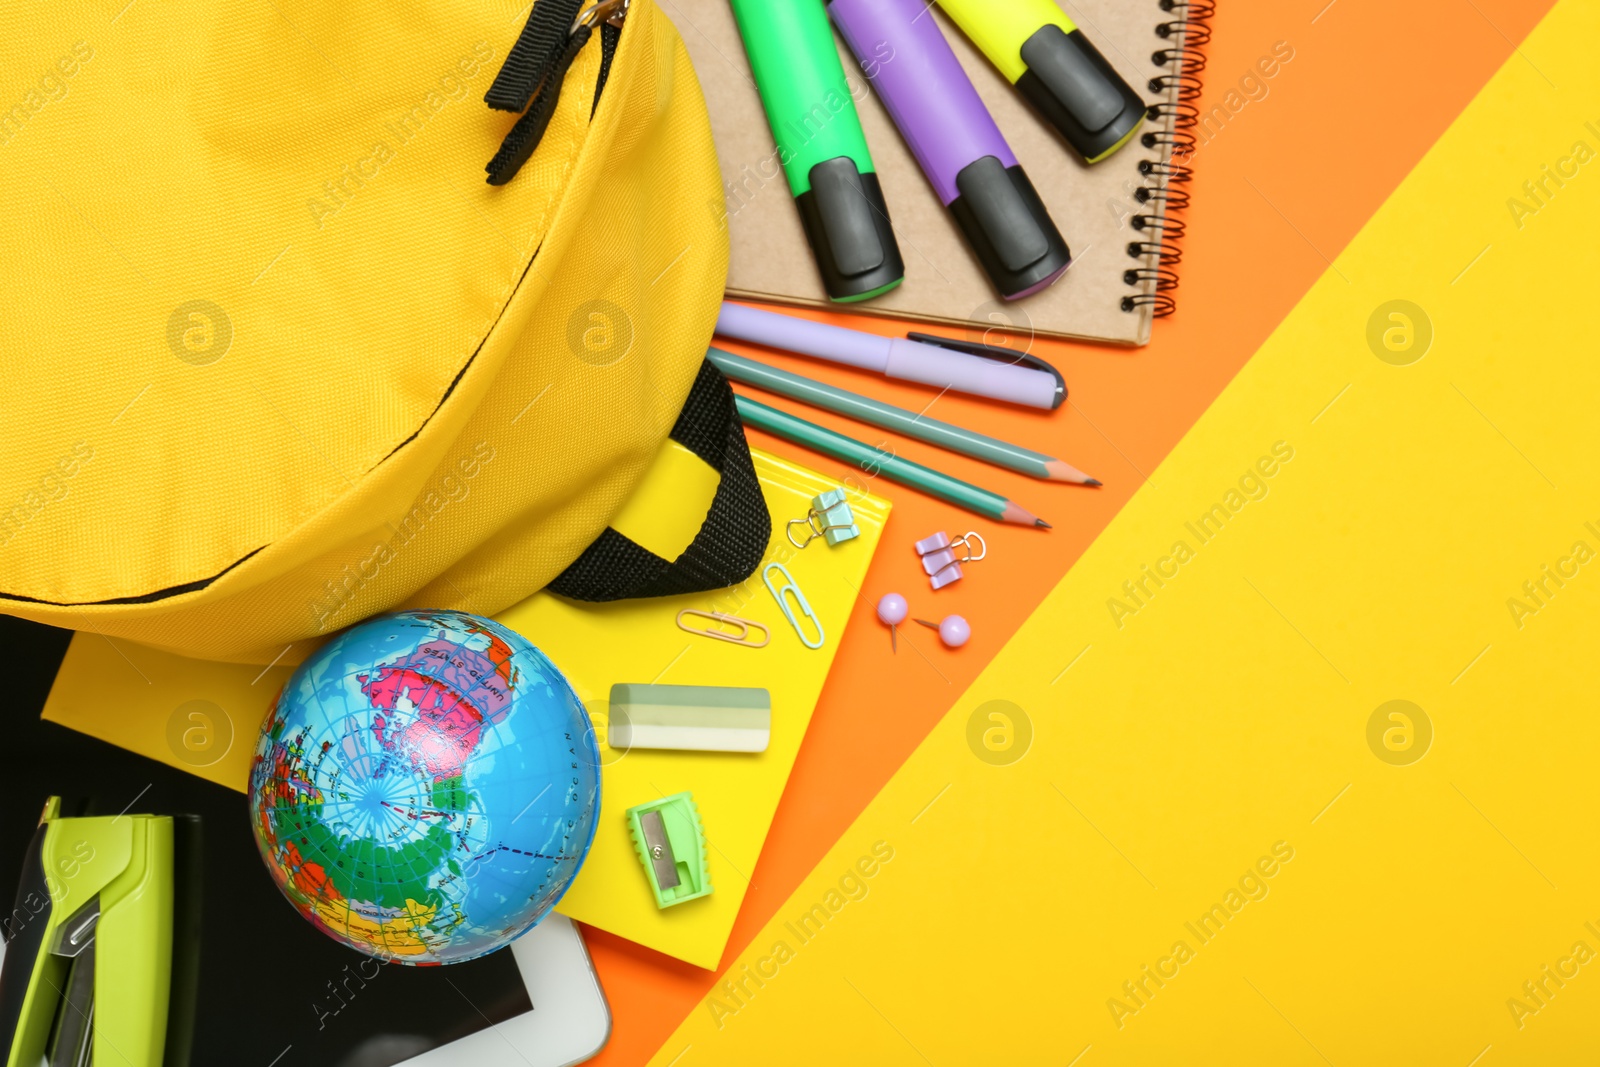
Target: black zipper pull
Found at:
532, 74
538, 48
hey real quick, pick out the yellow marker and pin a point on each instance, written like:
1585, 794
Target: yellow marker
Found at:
1057, 68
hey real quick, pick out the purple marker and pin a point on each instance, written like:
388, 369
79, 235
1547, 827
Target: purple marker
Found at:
956, 141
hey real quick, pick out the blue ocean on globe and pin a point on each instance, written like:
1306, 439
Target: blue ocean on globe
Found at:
425, 787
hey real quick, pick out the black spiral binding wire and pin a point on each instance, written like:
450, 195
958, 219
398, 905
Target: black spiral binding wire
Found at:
1165, 192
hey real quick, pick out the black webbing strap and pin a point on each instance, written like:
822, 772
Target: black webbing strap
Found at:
529, 130
541, 42
730, 543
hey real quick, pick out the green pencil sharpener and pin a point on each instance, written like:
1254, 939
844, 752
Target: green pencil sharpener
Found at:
672, 846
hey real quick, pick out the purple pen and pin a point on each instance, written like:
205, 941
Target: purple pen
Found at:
893, 357
956, 141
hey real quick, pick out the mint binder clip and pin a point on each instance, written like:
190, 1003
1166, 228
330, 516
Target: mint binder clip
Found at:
830, 518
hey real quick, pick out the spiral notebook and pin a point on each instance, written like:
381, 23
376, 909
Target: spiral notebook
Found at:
1128, 201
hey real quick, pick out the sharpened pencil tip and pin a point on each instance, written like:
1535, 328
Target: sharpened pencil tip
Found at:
1021, 516
1057, 471
1041, 522
1096, 482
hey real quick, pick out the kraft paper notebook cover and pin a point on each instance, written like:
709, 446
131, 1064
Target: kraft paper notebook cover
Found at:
146, 701
1095, 207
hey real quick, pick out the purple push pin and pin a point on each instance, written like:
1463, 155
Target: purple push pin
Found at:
953, 630
892, 611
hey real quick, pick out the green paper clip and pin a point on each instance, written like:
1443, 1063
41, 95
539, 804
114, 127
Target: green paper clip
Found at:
672, 846
791, 586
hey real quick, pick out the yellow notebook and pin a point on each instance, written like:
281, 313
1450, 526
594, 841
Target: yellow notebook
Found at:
203, 716
1181, 818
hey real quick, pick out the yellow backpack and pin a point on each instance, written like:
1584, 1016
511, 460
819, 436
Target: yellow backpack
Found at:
277, 357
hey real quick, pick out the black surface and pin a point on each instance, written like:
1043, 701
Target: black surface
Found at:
847, 224
24, 928
188, 906
1077, 91
269, 983
1007, 225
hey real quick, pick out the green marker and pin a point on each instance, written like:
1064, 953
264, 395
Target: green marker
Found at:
821, 146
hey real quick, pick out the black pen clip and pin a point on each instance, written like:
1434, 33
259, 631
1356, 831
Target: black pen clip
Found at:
999, 354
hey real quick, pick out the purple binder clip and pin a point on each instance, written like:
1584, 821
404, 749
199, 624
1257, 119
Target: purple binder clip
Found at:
942, 558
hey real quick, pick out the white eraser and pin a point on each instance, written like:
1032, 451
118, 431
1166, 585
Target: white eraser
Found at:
690, 718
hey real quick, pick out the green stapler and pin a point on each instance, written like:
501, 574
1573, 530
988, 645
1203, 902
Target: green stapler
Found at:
88, 966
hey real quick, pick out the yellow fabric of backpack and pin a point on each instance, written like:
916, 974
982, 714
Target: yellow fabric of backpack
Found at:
277, 357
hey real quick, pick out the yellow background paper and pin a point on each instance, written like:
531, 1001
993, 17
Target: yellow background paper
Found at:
145, 701
1225, 723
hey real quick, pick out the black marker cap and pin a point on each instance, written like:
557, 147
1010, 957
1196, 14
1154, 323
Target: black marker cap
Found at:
847, 223
1008, 227
1078, 92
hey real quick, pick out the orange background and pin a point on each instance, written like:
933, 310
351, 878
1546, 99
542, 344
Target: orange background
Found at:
1277, 194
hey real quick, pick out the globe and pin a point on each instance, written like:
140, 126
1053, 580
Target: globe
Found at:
425, 787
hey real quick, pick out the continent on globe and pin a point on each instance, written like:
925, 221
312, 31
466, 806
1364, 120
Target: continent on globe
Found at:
454, 688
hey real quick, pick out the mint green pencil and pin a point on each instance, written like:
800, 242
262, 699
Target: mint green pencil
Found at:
912, 424
925, 479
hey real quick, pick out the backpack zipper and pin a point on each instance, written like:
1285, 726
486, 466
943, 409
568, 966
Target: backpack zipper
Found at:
610, 36
530, 79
